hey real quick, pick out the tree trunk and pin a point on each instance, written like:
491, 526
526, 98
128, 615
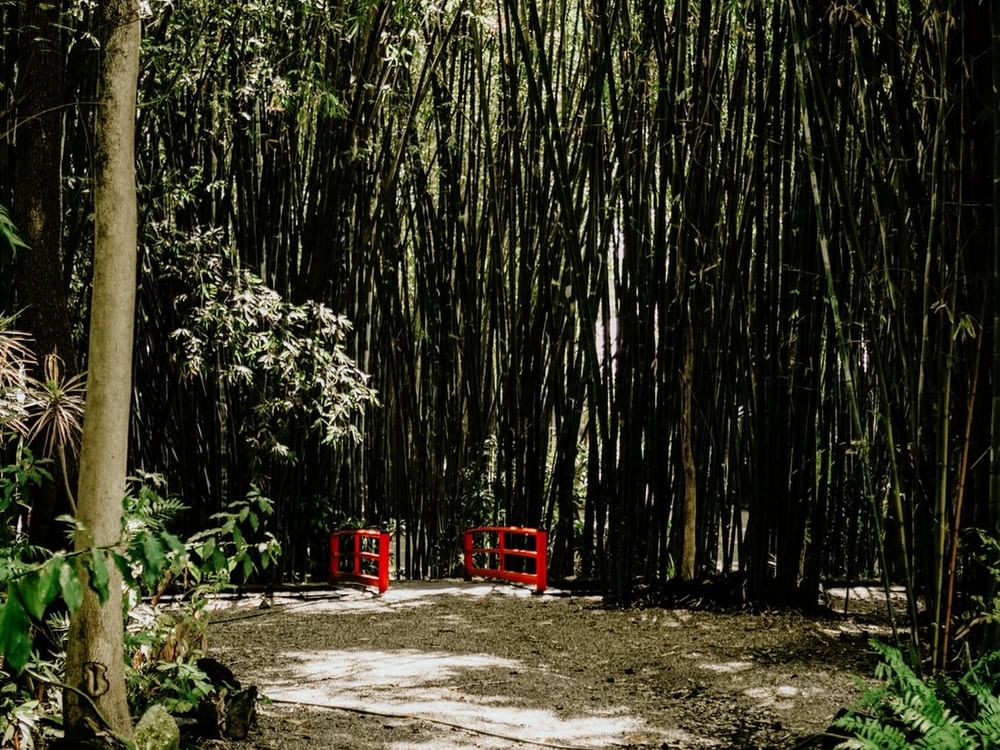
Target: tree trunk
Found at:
690, 539
94, 660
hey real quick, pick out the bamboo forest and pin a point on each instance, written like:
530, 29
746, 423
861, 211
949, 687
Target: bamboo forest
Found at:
697, 297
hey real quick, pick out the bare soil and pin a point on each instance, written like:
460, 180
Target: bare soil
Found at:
451, 664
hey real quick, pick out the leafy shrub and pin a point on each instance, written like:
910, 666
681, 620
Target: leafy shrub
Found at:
288, 362
162, 644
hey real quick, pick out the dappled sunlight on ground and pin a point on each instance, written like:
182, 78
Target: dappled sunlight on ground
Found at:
782, 697
414, 594
430, 685
368, 669
448, 664
726, 667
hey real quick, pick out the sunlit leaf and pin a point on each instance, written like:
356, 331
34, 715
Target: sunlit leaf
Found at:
69, 583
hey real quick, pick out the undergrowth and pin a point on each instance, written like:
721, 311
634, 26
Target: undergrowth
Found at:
937, 712
162, 643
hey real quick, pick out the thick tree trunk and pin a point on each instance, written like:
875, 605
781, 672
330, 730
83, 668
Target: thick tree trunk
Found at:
94, 660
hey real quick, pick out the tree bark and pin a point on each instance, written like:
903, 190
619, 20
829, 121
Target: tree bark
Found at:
690, 538
94, 660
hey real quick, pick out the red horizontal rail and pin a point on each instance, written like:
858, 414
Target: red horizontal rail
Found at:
505, 548
347, 556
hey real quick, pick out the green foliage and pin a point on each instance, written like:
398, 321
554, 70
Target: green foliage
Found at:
46, 411
30, 589
178, 685
17, 480
287, 362
224, 551
20, 714
8, 232
235, 547
162, 644
31, 579
936, 713
477, 500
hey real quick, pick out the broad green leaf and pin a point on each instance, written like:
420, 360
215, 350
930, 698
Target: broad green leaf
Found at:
8, 231
155, 559
247, 567
69, 582
173, 543
38, 589
207, 550
238, 538
15, 628
124, 567
219, 560
99, 574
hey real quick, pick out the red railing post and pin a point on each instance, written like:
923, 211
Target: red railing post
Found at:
541, 560
383, 562
356, 572
501, 549
357, 553
467, 554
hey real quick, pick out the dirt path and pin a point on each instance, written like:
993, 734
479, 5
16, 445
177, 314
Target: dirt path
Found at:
548, 669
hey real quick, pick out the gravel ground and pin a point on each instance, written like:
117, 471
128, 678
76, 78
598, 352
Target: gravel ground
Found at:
451, 664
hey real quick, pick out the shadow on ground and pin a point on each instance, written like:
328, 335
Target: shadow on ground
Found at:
464, 665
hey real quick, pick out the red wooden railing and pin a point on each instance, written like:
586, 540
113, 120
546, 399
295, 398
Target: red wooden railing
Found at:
494, 556
348, 558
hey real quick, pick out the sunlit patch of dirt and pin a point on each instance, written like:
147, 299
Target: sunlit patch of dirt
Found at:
477, 665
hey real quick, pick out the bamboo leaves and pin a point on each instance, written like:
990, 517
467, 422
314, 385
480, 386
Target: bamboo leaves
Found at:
699, 284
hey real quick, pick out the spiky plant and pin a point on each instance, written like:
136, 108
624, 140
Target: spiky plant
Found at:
57, 416
49, 410
18, 394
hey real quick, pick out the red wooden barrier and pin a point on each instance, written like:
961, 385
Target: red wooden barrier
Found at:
348, 557
506, 545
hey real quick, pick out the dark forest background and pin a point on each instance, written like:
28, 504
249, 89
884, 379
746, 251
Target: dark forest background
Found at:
614, 268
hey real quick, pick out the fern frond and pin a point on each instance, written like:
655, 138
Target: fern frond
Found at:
920, 712
986, 726
951, 736
870, 733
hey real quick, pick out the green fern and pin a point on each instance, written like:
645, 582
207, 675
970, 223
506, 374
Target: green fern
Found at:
870, 733
939, 713
981, 684
147, 506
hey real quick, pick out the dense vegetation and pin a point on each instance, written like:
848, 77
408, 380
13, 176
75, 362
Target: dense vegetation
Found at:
699, 286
